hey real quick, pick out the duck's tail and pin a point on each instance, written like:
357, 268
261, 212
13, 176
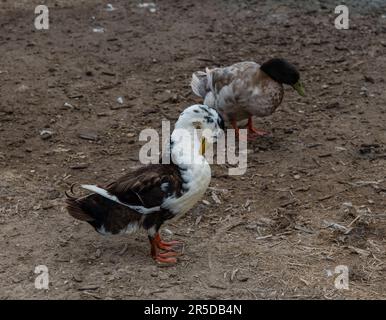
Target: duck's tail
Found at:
76, 206
76, 210
199, 83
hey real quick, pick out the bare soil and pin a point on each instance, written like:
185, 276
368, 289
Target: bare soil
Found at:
313, 197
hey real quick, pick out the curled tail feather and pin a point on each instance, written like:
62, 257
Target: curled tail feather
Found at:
74, 206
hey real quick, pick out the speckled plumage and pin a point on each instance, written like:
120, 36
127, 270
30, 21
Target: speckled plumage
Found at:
238, 91
149, 196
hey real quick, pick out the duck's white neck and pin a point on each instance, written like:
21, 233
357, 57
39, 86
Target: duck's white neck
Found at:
185, 147
194, 169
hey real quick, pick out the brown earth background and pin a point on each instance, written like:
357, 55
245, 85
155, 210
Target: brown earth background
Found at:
313, 197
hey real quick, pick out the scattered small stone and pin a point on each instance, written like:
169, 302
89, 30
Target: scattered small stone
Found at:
297, 176
206, 202
148, 5
364, 92
46, 134
98, 29
240, 276
109, 7
120, 100
68, 105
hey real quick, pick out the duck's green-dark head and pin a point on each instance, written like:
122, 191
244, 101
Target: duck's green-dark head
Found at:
282, 71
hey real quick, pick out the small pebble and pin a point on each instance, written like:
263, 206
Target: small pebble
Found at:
46, 134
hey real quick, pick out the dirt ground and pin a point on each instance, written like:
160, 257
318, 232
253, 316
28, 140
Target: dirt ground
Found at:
313, 197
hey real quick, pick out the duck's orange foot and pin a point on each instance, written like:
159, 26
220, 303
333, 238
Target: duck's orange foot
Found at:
174, 245
253, 132
170, 250
162, 258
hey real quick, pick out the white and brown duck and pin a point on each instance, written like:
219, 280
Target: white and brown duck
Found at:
151, 195
246, 89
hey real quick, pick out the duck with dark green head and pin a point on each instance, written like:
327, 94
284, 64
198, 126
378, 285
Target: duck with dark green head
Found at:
246, 89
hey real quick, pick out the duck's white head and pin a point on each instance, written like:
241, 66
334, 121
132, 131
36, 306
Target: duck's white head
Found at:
196, 128
202, 118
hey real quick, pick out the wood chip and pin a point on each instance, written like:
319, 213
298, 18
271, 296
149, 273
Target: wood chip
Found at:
215, 198
79, 166
88, 288
233, 274
359, 251
88, 136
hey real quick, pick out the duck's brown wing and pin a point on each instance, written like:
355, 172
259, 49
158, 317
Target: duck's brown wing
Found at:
121, 205
147, 186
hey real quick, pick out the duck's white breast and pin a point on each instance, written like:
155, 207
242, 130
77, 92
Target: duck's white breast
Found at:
197, 178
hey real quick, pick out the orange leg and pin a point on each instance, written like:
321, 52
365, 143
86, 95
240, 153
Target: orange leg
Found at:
255, 132
237, 131
163, 257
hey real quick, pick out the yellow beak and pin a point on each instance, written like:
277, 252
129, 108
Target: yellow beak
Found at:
298, 86
203, 146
